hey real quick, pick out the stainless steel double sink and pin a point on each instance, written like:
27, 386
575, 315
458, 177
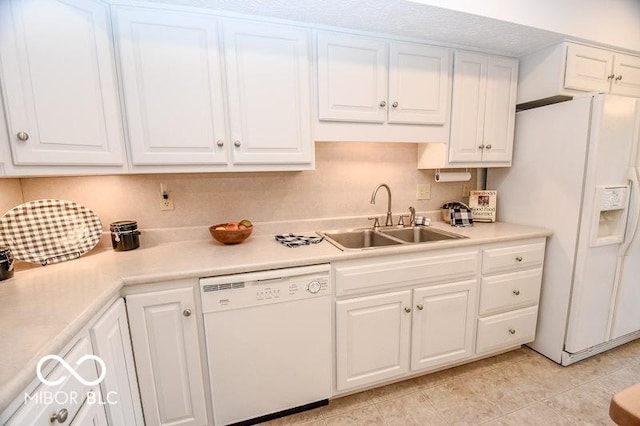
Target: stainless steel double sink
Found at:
368, 238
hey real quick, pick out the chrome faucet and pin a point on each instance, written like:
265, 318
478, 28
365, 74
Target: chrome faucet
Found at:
389, 220
412, 216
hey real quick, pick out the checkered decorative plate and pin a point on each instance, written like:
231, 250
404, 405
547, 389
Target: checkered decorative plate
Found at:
49, 231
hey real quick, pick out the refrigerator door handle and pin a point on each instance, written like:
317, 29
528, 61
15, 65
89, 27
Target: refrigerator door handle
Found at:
635, 212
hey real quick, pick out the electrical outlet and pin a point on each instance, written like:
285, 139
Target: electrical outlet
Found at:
465, 190
166, 201
423, 191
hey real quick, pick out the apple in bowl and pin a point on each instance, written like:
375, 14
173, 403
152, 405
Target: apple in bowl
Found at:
231, 232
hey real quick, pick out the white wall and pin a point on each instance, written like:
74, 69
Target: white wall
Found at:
340, 186
611, 22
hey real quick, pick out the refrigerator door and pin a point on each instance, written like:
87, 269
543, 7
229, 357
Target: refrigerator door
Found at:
626, 315
611, 143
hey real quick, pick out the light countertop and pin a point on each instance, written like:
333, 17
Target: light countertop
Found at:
43, 308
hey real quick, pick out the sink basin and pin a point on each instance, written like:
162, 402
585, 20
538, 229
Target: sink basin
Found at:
418, 234
359, 239
368, 238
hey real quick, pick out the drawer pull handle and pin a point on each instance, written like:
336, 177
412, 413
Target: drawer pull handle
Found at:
186, 312
516, 292
519, 259
512, 331
407, 310
420, 307
60, 416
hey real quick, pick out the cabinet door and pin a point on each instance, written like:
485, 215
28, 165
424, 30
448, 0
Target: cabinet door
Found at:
500, 109
268, 79
171, 76
167, 352
59, 82
111, 342
419, 84
468, 111
352, 78
92, 413
372, 338
588, 68
626, 69
443, 322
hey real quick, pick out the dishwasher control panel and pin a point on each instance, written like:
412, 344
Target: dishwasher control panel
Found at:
258, 288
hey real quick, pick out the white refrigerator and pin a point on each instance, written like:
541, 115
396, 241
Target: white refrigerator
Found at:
575, 171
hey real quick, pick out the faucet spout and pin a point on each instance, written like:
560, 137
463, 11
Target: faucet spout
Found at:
389, 220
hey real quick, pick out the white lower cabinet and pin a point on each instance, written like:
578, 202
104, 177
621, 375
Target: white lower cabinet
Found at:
428, 322
509, 295
111, 342
443, 321
372, 338
164, 333
402, 315
62, 398
92, 414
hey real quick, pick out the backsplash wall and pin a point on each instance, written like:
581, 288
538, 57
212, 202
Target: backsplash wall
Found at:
341, 185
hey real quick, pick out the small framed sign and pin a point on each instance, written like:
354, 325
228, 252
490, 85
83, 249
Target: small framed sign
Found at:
483, 205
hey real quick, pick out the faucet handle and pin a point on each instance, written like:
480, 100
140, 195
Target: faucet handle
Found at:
401, 220
376, 222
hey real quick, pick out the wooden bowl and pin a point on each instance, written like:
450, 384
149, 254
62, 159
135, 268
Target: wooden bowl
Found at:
229, 237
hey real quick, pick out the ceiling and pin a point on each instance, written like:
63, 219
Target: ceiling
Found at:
398, 17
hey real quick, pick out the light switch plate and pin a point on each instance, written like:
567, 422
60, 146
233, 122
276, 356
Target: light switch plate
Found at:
423, 191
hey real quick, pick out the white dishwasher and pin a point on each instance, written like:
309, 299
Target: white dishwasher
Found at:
268, 339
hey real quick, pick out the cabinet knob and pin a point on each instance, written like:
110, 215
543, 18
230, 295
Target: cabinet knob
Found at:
236, 144
420, 307
516, 292
383, 103
618, 78
512, 331
407, 310
481, 146
610, 76
23, 136
519, 259
60, 416
220, 143
395, 104
186, 312
488, 146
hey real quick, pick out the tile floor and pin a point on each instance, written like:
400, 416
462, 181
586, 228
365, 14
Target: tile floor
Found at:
516, 388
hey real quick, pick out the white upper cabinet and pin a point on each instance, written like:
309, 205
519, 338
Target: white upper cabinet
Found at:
59, 83
172, 83
419, 84
371, 89
352, 78
268, 80
567, 69
483, 114
597, 70
184, 107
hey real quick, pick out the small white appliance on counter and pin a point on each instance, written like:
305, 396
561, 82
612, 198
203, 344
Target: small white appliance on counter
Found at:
268, 340
576, 171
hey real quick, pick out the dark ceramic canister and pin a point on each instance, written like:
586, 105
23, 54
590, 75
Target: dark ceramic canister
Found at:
6, 263
125, 235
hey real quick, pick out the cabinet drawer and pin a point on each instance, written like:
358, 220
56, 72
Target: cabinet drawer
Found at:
385, 272
68, 395
506, 330
512, 258
506, 292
